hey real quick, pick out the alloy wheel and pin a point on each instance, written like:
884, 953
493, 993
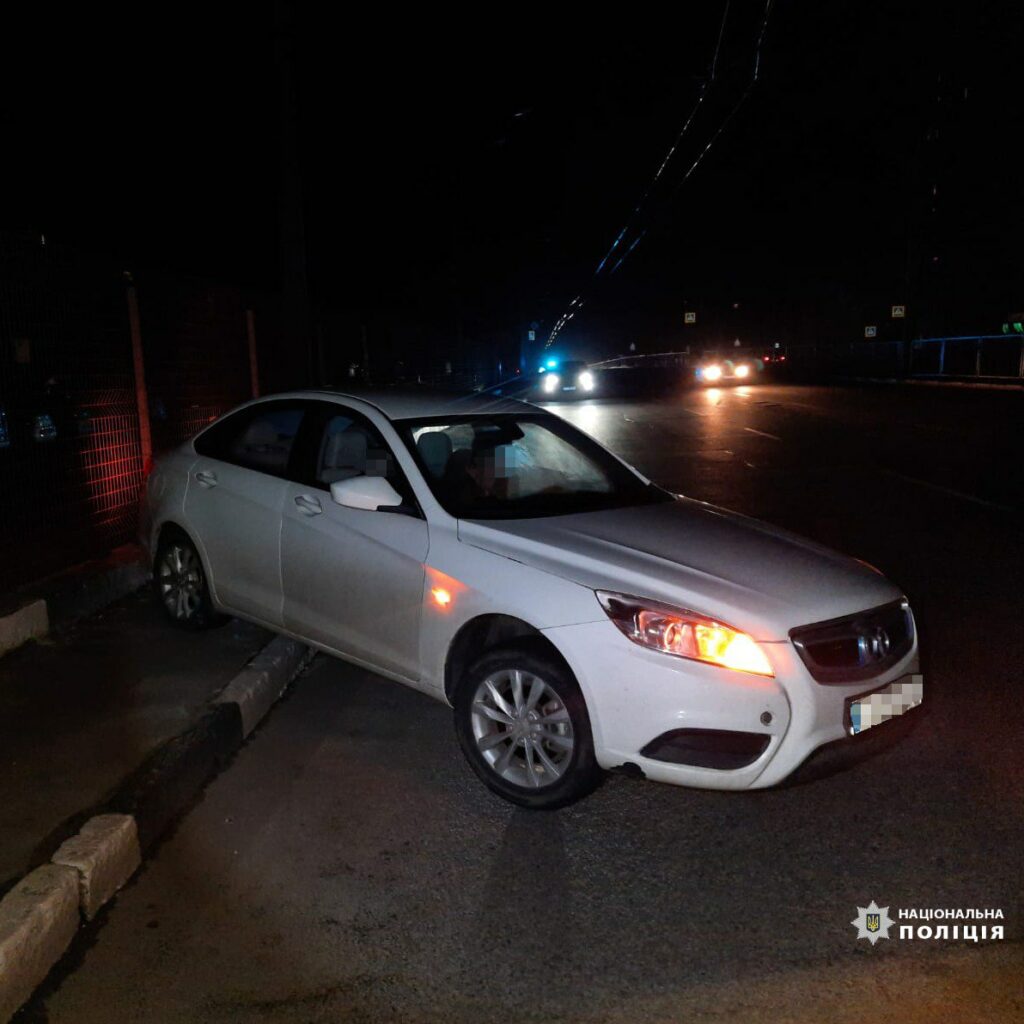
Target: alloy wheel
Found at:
180, 577
522, 728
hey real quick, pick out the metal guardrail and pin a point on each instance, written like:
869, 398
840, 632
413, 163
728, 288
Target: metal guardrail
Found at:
997, 357
986, 355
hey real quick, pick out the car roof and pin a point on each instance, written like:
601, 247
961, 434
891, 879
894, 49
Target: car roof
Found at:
418, 403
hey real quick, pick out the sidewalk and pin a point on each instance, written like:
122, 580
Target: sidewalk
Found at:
79, 711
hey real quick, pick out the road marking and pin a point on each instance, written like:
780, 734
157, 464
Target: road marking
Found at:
949, 491
761, 433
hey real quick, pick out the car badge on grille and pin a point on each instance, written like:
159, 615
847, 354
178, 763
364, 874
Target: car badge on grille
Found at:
873, 646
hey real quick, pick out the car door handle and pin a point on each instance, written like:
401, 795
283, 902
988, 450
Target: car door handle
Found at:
307, 505
206, 478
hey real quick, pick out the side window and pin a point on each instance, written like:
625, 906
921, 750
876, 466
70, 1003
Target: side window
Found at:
349, 447
260, 438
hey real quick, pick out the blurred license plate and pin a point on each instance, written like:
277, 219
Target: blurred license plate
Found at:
891, 701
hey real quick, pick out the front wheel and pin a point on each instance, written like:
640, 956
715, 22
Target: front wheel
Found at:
181, 585
522, 723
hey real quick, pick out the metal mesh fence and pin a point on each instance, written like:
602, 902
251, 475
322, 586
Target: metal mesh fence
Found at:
69, 451
70, 456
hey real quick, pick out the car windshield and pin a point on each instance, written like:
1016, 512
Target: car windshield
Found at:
516, 467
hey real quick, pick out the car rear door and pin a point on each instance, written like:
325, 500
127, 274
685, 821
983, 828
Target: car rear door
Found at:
233, 504
353, 579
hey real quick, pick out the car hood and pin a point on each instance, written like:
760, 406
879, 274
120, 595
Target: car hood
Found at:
746, 573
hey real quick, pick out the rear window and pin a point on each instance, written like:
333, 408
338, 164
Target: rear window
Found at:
259, 438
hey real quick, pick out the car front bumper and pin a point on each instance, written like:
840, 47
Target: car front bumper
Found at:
635, 696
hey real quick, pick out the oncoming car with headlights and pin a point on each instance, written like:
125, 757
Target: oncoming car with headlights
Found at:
714, 370
575, 616
569, 379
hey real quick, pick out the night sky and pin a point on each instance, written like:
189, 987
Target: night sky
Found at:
463, 176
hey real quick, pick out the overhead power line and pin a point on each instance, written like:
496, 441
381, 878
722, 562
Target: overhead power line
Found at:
671, 149
578, 302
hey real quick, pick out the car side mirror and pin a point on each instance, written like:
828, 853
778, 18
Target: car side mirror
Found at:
365, 492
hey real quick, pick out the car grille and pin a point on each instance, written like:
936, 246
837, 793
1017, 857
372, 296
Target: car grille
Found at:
856, 647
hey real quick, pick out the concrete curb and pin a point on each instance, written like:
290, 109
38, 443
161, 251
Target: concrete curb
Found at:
28, 622
263, 681
40, 916
38, 920
81, 592
105, 854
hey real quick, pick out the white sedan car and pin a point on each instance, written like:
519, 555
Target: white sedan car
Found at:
576, 616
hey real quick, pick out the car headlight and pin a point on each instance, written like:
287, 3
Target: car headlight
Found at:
551, 382
685, 634
742, 370
712, 372
586, 380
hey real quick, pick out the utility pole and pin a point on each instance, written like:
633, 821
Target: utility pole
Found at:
298, 334
254, 366
138, 367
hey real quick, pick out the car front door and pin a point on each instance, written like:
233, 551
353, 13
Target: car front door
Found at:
352, 578
233, 504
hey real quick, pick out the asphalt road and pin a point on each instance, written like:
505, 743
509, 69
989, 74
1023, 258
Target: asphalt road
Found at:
347, 865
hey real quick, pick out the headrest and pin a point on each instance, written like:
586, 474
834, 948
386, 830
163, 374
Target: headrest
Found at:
435, 449
260, 432
346, 451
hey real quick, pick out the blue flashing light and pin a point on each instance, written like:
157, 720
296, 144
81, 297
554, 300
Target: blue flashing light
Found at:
551, 364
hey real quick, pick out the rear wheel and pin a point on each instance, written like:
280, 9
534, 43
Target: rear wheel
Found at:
523, 726
181, 585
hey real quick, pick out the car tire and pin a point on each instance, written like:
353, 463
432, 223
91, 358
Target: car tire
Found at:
181, 586
523, 726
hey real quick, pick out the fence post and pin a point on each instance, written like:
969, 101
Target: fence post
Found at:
254, 367
141, 401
